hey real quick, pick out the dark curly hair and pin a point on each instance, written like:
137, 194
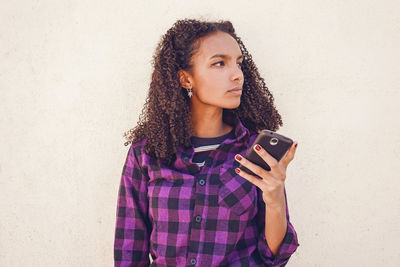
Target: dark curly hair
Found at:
166, 119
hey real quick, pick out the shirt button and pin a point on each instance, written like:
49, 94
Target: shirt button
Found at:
185, 159
202, 182
198, 218
193, 261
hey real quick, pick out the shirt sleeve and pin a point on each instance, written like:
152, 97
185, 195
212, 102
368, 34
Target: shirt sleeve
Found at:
289, 243
132, 230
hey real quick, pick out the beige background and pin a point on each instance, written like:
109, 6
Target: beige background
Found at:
73, 78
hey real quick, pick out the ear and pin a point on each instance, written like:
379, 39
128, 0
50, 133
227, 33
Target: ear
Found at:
184, 78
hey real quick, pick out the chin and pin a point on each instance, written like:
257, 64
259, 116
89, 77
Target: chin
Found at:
234, 105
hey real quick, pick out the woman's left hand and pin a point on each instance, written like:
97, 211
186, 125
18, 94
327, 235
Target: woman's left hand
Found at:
273, 182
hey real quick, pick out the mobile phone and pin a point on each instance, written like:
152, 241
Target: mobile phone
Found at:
275, 144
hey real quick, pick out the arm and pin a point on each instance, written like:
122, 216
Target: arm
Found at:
282, 253
132, 229
272, 193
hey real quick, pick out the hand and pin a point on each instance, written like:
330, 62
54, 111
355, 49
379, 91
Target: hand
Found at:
273, 182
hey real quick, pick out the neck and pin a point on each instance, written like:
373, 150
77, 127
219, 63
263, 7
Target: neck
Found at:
208, 123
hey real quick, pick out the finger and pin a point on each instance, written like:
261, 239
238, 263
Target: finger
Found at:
289, 154
270, 160
256, 169
251, 178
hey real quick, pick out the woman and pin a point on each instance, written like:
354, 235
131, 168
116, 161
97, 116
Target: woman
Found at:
182, 197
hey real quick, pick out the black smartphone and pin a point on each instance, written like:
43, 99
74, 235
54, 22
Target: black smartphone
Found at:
275, 144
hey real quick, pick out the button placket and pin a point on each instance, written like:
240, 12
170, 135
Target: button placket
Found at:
198, 218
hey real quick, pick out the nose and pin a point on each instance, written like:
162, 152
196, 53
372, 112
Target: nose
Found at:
237, 74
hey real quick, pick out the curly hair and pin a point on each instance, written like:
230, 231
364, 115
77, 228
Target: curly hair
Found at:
165, 119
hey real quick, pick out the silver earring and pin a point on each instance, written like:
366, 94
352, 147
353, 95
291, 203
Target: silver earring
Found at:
190, 92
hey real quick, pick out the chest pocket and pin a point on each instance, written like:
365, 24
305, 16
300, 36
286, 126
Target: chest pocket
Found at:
235, 192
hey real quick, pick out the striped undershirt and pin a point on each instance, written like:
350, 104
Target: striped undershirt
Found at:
203, 146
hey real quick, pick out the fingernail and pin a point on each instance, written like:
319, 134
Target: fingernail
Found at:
238, 157
257, 147
237, 170
295, 145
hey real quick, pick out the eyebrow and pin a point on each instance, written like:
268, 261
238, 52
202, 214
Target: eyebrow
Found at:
224, 56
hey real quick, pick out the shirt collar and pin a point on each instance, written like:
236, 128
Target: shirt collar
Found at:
242, 136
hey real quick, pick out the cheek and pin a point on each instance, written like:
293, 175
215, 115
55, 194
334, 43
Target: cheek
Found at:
206, 94
210, 86
217, 78
210, 92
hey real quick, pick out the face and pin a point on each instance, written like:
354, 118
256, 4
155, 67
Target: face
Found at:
216, 71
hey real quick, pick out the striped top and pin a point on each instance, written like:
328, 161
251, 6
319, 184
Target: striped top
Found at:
203, 146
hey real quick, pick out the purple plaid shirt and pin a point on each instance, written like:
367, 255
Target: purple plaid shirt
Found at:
186, 215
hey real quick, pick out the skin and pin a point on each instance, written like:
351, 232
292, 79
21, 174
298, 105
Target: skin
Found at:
272, 185
210, 80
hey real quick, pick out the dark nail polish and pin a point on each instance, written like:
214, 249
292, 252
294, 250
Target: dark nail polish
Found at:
238, 157
257, 147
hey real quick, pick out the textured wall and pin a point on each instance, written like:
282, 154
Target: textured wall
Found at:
73, 78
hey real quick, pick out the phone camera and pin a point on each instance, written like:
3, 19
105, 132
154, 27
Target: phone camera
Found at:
273, 141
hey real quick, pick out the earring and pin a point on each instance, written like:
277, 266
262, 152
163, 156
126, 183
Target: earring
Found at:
190, 92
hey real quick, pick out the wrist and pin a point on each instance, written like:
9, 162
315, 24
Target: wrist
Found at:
277, 204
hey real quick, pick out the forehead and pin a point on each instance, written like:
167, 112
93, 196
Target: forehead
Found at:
217, 43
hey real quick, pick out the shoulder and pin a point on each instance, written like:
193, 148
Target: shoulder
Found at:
137, 148
252, 136
137, 155
253, 133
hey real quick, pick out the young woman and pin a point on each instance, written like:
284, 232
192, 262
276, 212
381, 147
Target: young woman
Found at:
182, 198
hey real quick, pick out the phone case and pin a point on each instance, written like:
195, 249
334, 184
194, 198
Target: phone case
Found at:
275, 144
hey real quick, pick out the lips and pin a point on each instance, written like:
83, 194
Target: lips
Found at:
236, 89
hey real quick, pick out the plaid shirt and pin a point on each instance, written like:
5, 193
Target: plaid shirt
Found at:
186, 215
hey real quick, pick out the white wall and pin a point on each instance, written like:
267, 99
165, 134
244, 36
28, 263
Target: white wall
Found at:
73, 78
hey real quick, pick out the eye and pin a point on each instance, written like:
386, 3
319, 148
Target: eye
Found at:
240, 64
218, 63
